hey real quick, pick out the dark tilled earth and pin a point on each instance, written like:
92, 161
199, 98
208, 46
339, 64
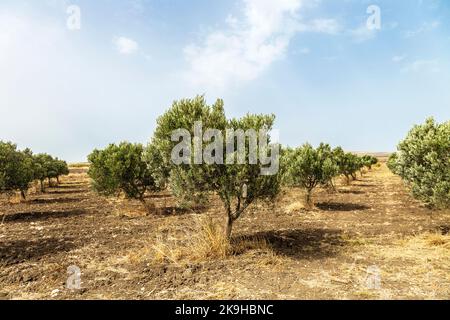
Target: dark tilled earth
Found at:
370, 240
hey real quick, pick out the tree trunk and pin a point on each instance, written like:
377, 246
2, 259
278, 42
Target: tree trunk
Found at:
49, 182
308, 199
22, 193
228, 226
331, 188
57, 180
42, 186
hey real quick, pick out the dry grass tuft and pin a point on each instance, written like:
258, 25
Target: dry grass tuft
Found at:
206, 242
137, 256
437, 240
209, 242
294, 207
163, 252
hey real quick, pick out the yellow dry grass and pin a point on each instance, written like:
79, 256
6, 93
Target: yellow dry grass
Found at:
420, 262
206, 243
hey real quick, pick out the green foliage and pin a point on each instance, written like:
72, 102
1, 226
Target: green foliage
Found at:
423, 161
238, 185
19, 168
392, 162
348, 163
62, 169
307, 168
125, 168
42, 168
187, 187
16, 169
369, 161
47, 167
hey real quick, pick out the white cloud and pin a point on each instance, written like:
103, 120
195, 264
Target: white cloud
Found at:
246, 48
328, 26
425, 27
125, 45
305, 51
398, 59
243, 50
423, 66
363, 33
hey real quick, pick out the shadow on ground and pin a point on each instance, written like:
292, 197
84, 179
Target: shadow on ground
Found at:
300, 243
37, 216
59, 200
351, 192
71, 186
65, 191
13, 252
337, 206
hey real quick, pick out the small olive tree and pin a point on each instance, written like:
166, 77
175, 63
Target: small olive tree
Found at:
423, 162
125, 168
44, 168
61, 169
348, 163
239, 180
307, 168
369, 161
16, 169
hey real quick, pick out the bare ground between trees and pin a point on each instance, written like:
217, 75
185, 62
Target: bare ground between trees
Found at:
323, 253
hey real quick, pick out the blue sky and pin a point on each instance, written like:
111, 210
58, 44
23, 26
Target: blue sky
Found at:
314, 63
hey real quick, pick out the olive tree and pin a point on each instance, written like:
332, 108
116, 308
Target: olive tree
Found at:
369, 161
59, 168
197, 161
307, 168
126, 169
16, 169
423, 162
44, 168
348, 163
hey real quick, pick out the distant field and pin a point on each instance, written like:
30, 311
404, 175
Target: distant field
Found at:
382, 156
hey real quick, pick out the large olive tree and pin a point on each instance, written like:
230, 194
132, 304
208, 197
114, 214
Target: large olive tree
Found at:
223, 160
423, 161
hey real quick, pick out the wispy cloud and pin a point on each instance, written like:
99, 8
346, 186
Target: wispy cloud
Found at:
125, 46
304, 51
423, 66
398, 59
426, 26
328, 26
362, 33
247, 47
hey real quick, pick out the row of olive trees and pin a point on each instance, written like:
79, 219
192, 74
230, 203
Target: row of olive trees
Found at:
18, 169
307, 167
423, 162
134, 170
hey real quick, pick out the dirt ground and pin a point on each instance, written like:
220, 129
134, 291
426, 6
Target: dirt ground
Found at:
370, 240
